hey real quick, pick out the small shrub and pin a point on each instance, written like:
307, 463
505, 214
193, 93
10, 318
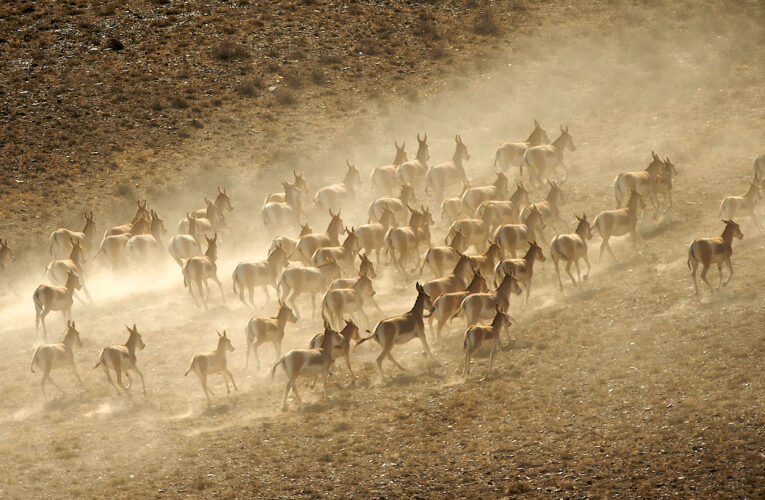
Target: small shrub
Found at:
485, 23
427, 28
368, 46
330, 59
519, 4
196, 123
437, 51
125, 190
250, 88
294, 79
114, 44
108, 10
286, 97
297, 54
200, 483
318, 76
179, 103
411, 95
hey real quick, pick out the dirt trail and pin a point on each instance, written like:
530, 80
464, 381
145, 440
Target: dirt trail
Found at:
630, 385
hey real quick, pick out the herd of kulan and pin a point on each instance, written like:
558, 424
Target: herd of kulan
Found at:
494, 221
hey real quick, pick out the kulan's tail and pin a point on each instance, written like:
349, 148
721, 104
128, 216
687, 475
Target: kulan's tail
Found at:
525, 161
279, 288
422, 267
617, 191
184, 270
459, 311
364, 340
595, 226
34, 360
50, 247
324, 314
273, 369
36, 301
100, 358
191, 367
265, 218
233, 278
430, 312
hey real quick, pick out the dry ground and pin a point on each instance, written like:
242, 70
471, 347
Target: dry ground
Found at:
630, 386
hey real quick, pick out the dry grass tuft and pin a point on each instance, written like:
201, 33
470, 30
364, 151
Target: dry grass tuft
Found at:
427, 28
286, 97
229, 52
318, 76
294, 78
330, 59
178, 102
250, 88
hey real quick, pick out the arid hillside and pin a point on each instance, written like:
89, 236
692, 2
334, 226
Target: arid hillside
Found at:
101, 100
630, 385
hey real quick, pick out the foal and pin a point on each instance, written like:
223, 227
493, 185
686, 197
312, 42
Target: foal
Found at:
121, 359
211, 362
51, 356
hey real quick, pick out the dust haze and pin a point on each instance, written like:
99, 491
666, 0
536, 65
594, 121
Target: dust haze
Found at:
631, 361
